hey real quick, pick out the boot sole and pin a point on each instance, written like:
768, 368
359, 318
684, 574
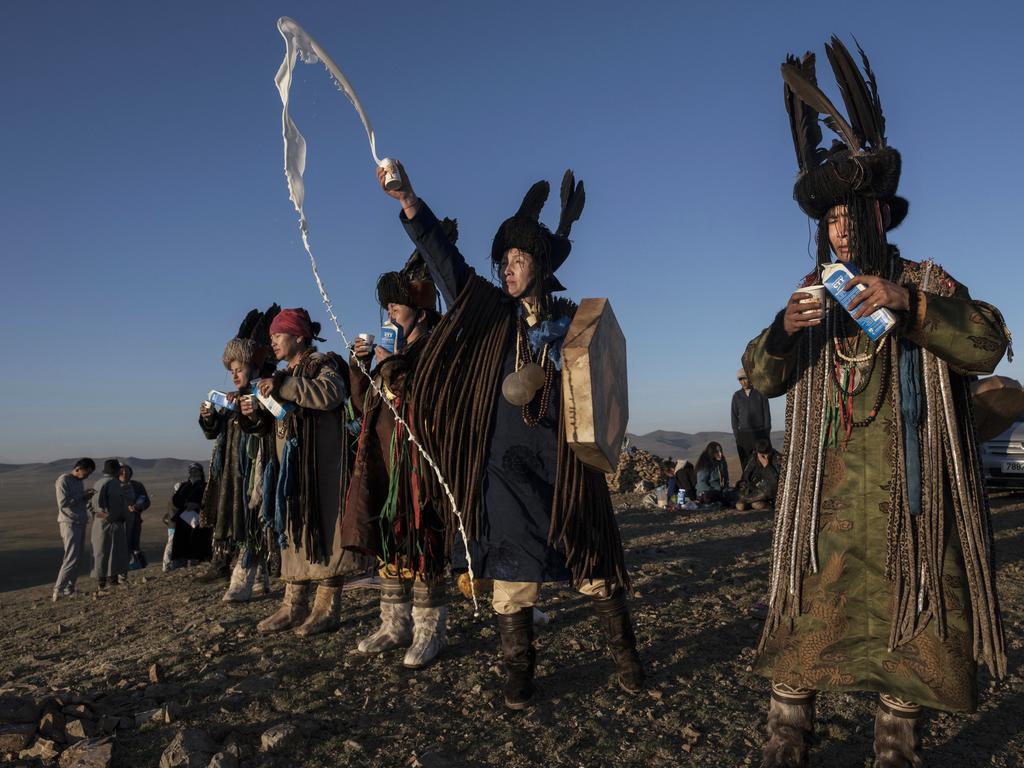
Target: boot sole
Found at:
518, 705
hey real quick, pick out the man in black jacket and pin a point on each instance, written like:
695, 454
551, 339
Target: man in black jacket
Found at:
751, 419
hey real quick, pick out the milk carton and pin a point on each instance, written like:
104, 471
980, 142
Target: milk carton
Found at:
277, 410
217, 398
389, 336
835, 277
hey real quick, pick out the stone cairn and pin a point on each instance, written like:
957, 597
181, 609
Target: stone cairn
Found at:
639, 471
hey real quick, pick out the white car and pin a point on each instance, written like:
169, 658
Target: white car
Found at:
1003, 457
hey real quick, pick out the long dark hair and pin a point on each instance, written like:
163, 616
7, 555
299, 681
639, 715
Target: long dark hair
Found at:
707, 459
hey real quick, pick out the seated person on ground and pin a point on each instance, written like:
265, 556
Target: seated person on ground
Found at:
760, 479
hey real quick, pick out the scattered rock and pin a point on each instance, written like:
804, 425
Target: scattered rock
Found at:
275, 737
190, 748
18, 709
89, 753
15, 737
638, 471
44, 749
149, 716
226, 759
52, 727
155, 674
76, 730
77, 710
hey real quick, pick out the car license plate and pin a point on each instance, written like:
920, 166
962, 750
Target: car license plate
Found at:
1013, 467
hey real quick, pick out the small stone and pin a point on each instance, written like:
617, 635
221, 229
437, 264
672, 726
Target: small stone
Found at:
52, 726
44, 749
18, 709
77, 710
155, 674
15, 737
353, 745
149, 716
224, 759
276, 736
76, 730
89, 753
190, 748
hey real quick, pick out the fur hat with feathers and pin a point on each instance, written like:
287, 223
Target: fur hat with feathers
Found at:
251, 345
412, 285
525, 231
859, 164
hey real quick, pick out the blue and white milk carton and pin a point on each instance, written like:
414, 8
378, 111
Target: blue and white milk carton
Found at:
389, 337
277, 410
219, 399
835, 277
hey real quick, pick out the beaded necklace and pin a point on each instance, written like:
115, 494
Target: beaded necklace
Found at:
524, 357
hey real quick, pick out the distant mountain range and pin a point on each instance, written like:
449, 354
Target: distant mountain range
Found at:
684, 445
161, 466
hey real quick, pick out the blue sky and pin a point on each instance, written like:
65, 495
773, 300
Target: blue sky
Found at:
143, 208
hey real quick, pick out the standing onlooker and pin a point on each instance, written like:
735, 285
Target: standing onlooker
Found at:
138, 502
109, 543
188, 542
72, 516
713, 477
751, 418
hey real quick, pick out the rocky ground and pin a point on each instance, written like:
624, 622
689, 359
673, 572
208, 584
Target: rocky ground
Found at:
162, 673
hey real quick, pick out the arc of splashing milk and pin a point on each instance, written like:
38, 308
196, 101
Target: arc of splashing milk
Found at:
298, 42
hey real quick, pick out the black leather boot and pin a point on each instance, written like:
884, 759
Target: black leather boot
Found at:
219, 567
613, 617
517, 651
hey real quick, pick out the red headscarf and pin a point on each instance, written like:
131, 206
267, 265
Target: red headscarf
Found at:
293, 321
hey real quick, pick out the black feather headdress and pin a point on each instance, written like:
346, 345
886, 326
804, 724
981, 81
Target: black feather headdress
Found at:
525, 231
860, 164
413, 285
251, 346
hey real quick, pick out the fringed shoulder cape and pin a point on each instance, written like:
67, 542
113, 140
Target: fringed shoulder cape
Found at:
882, 572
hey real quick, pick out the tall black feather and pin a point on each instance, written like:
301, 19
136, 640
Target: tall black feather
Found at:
859, 104
534, 201
261, 331
877, 102
573, 199
248, 324
811, 95
803, 119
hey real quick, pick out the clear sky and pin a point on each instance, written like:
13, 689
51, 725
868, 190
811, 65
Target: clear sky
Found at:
143, 208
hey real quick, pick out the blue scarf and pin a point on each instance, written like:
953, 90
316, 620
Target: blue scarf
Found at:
287, 487
550, 332
910, 405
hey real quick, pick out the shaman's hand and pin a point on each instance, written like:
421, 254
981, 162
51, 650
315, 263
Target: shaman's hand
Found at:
801, 315
266, 386
405, 195
878, 292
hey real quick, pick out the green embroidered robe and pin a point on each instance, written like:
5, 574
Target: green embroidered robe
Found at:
837, 632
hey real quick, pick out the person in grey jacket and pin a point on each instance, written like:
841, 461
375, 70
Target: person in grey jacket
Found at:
72, 517
109, 539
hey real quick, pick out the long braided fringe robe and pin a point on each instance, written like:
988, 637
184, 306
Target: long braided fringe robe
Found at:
951, 486
454, 397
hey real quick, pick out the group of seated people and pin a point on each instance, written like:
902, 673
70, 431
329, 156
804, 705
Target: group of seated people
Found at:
708, 482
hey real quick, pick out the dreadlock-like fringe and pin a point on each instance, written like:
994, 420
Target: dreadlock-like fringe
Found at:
915, 543
454, 396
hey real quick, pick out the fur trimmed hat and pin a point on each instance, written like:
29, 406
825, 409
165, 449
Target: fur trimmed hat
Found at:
412, 285
251, 346
525, 231
861, 165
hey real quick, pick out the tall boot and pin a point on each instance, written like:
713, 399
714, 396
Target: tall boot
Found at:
326, 613
261, 583
516, 630
613, 617
219, 566
790, 728
294, 609
897, 734
395, 630
240, 588
429, 620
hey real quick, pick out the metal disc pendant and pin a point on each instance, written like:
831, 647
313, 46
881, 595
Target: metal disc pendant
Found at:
532, 375
514, 391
